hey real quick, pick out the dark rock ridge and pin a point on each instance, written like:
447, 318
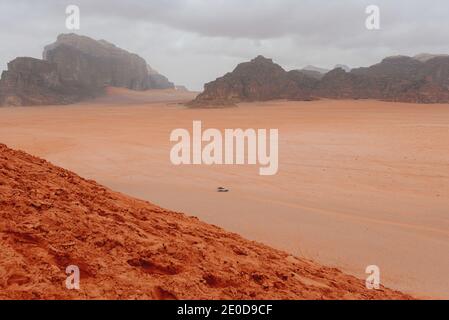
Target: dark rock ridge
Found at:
30, 81
421, 79
75, 68
257, 80
400, 78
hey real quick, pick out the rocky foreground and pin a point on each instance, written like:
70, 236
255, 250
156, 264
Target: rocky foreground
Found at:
420, 79
75, 68
130, 249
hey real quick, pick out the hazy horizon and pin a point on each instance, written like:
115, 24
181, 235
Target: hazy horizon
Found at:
193, 42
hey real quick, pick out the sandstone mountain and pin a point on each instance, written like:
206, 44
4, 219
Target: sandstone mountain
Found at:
75, 68
258, 80
157, 80
342, 66
30, 81
397, 78
318, 73
312, 74
99, 63
126, 248
315, 69
422, 79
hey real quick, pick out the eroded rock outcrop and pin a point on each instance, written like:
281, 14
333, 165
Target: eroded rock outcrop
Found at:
99, 63
258, 80
75, 68
399, 78
30, 81
421, 79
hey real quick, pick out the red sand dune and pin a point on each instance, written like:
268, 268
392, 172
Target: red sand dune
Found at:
130, 249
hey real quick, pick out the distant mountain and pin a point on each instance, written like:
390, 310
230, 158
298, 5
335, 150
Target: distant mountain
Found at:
157, 80
315, 69
343, 66
30, 81
398, 78
257, 80
312, 74
421, 79
424, 57
318, 73
75, 68
100, 63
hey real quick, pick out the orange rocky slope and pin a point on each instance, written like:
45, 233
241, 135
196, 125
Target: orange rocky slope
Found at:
130, 249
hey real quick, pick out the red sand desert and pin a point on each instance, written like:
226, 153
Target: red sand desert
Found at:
130, 249
359, 183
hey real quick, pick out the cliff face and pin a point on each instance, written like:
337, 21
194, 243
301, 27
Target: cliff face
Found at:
257, 80
399, 78
75, 68
91, 63
157, 80
126, 248
406, 79
30, 81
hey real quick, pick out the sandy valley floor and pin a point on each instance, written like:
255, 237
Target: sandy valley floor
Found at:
359, 182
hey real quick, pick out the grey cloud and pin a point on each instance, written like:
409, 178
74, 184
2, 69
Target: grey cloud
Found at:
195, 41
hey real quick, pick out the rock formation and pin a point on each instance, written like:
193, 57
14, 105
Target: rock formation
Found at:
421, 79
157, 80
312, 74
75, 68
315, 69
398, 78
342, 66
258, 80
94, 63
30, 81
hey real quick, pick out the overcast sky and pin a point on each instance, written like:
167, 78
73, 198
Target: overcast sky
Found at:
195, 41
